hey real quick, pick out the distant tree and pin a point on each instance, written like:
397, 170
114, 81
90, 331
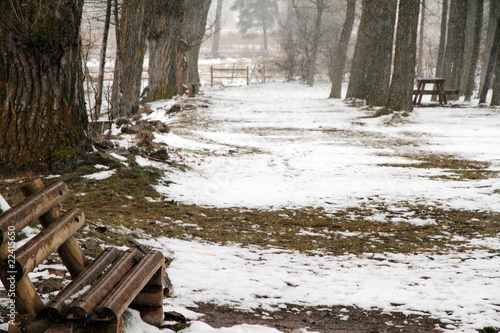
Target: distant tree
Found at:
442, 42
379, 73
401, 90
472, 46
217, 29
43, 121
420, 54
319, 9
455, 43
102, 60
131, 48
194, 28
370, 69
487, 66
341, 53
256, 15
164, 40
495, 59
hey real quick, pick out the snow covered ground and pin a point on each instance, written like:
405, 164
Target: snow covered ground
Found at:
287, 145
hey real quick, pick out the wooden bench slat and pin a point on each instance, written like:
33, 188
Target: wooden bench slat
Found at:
40, 247
32, 208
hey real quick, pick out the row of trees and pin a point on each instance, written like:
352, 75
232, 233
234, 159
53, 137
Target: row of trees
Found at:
384, 60
43, 116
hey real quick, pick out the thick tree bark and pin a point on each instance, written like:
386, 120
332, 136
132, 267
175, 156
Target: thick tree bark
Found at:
455, 43
320, 8
129, 62
358, 82
371, 67
43, 120
401, 91
164, 40
341, 53
472, 45
379, 75
217, 27
195, 27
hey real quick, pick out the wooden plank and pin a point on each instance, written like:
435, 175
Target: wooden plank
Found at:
54, 308
89, 301
123, 294
33, 207
38, 248
70, 252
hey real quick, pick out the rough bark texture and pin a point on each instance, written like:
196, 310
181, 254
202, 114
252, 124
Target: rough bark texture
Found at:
164, 39
195, 24
357, 87
341, 53
43, 120
401, 91
455, 43
371, 67
472, 44
379, 74
129, 62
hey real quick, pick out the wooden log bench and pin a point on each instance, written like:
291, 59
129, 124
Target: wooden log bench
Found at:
99, 292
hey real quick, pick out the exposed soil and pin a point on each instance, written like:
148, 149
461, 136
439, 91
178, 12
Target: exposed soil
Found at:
336, 319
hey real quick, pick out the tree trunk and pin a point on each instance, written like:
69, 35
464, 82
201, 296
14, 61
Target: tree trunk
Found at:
102, 61
216, 40
472, 45
129, 64
379, 75
43, 121
341, 53
164, 39
401, 91
453, 65
320, 7
486, 69
420, 56
195, 27
362, 59
495, 58
442, 43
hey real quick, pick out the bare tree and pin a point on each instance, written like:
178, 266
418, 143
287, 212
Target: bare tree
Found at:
370, 69
341, 53
401, 91
43, 121
472, 46
164, 40
487, 66
320, 8
102, 60
217, 27
455, 43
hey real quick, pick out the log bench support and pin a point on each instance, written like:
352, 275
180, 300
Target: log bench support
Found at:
99, 292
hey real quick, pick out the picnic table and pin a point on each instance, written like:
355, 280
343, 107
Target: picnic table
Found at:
438, 90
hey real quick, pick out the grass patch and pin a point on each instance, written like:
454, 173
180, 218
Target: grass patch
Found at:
456, 168
126, 206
